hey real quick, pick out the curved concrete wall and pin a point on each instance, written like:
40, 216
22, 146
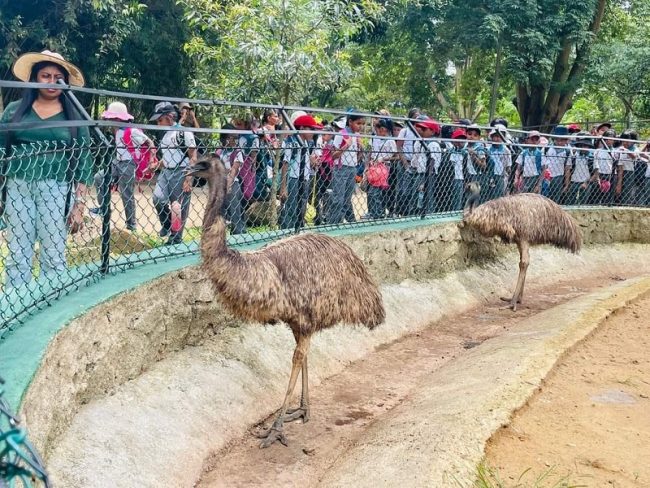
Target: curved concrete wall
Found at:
119, 340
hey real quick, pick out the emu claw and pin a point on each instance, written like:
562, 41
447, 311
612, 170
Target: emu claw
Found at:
297, 413
270, 436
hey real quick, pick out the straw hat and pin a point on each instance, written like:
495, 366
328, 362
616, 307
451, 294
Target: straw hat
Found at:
117, 110
22, 67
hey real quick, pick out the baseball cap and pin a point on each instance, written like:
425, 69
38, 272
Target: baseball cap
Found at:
459, 134
429, 124
307, 121
161, 109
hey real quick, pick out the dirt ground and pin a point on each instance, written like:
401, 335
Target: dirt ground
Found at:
589, 424
346, 404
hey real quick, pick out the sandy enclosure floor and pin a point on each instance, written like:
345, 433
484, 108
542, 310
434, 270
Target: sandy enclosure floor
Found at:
344, 406
590, 423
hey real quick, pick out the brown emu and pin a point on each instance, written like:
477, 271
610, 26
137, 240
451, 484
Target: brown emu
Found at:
309, 281
525, 219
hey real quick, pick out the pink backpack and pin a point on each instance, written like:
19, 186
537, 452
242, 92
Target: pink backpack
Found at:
142, 157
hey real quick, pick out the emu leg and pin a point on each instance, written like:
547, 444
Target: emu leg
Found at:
276, 433
523, 267
303, 411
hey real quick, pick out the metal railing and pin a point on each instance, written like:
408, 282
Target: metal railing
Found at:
132, 208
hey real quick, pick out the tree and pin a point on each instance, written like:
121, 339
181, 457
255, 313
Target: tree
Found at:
284, 51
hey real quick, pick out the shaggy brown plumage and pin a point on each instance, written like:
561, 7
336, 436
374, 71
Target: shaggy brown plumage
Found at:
524, 219
309, 281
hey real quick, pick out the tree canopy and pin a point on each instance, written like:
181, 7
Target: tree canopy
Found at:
539, 61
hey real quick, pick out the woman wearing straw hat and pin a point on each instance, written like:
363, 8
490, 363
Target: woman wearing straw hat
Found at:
42, 166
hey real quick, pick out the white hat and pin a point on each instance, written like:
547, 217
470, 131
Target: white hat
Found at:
296, 114
117, 110
22, 67
340, 123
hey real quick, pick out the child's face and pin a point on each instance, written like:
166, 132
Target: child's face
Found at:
327, 137
381, 131
496, 139
561, 141
230, 141
458, 143
427, 133
357, 125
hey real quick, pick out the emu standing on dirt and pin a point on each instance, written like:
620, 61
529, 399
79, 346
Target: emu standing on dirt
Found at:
525, 219
309, 281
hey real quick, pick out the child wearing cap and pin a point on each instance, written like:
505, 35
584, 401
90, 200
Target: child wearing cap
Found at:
459, 158
530, 164
130, 145
500, 162
477, 165
559, 158
421, 181
173, 186
346, 158
584, 172
296, 172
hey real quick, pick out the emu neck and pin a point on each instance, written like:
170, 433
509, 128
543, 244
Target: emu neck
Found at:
214, 225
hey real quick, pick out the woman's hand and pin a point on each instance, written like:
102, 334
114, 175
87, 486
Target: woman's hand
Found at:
76, 218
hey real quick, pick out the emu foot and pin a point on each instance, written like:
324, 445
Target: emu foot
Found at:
270, 436
297, 413
512, 302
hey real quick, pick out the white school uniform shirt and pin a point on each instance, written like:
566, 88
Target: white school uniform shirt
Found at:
138, 139
501, 157
171, 144
625, 159
457, 157
470, 164
349, 156
526, 160
556, 158
605, 161
292, 150
409, 138
383, 149
420, 156
581, 171
225, 159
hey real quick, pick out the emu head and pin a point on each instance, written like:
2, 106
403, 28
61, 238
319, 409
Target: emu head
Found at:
203, 168
473, 197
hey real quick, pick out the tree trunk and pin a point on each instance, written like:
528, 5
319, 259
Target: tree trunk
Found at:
495, 82
542, 105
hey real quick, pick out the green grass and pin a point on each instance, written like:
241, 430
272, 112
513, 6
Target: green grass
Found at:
488, 477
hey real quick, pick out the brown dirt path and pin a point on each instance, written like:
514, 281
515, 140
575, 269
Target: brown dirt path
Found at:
590, 423
346, 404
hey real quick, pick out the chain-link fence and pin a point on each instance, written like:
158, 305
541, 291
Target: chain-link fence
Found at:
20, 464
106, 200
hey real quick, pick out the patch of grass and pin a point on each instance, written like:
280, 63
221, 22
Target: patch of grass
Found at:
488, 477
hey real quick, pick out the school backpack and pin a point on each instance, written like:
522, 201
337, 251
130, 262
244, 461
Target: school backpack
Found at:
141, 156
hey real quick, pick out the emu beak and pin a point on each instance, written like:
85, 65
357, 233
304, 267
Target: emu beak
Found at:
197, 168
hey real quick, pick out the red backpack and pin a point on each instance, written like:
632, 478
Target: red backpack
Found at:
142, 157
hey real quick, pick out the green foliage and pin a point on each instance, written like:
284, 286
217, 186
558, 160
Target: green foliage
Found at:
273, 50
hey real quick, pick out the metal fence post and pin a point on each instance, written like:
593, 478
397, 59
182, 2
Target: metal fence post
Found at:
105, 189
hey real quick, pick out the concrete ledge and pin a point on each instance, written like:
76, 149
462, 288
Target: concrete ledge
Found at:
437, 437
147, 321
172, 416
